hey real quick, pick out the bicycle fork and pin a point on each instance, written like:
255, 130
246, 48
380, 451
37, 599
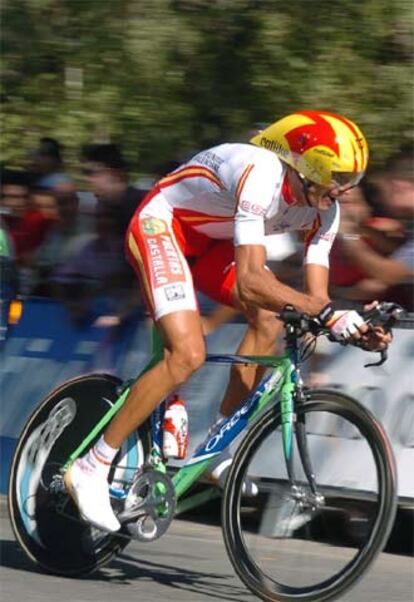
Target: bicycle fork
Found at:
293, 423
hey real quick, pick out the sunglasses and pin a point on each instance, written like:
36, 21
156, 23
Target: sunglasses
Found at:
349, 180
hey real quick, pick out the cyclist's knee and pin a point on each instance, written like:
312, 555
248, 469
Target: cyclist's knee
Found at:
184, 360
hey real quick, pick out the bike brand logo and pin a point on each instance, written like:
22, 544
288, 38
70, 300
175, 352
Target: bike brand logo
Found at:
153, 225
34, 457
228, 426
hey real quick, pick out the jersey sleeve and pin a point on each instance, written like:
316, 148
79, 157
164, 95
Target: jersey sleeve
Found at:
320, 238
256, 188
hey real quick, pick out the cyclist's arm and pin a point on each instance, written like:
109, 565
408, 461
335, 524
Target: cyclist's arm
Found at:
258, 286
318, 246
320, 238
317, 281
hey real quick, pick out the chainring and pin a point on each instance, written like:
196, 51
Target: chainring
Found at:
149, 506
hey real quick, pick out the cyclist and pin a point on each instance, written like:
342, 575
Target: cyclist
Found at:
204, 226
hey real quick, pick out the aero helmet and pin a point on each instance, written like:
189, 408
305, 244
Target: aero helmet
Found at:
323, 147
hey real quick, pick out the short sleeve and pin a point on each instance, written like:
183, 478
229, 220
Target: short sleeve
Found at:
257, 187
320, 238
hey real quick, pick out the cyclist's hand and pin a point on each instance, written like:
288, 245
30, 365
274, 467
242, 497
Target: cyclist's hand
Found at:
376, 339
344, 325
347, 325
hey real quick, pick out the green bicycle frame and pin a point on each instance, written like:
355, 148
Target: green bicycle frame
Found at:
280, 383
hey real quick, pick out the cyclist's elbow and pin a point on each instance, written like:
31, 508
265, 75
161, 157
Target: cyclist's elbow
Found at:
253, 286
247, 291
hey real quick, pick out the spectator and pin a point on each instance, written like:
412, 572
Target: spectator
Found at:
27, 226
70, 232
388, 277
345, 272
48, 166
96, 272
106, 172
44, 201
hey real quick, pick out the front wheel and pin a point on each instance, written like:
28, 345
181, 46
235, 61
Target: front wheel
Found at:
44, 518
290, 543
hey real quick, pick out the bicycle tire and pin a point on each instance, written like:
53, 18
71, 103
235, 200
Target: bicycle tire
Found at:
258, 581
59, 541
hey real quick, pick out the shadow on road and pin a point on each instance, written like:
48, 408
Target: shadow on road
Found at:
13, 557
125, 569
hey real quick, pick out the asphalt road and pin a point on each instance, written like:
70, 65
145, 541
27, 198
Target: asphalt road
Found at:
188, 564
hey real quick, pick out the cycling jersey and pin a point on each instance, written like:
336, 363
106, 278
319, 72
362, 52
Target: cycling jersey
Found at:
233, 192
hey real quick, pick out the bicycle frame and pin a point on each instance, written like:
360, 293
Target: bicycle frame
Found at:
280, 383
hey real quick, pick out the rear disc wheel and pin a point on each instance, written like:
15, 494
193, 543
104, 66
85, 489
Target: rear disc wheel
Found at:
44, 518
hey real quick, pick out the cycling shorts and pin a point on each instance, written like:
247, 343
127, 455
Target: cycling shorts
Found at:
172, 260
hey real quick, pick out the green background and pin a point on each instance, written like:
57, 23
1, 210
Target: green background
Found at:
165, 78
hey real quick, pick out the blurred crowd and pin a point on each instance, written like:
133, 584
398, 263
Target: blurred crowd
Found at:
63, 238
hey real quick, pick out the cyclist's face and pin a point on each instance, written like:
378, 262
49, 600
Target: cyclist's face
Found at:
322, 197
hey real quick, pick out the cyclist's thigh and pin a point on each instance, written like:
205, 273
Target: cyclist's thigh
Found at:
214, 273
155, 254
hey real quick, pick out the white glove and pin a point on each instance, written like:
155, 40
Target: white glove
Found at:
343, 324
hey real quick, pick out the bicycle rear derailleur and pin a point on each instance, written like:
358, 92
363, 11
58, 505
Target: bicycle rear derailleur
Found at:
149, 506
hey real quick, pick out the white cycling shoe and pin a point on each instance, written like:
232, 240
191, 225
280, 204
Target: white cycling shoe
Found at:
89, 490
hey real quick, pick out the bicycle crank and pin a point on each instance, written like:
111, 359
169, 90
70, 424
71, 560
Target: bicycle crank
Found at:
149, 506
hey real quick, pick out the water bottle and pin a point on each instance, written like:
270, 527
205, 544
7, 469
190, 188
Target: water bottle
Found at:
175, 429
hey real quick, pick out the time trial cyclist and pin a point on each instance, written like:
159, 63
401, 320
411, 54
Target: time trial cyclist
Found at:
206, 226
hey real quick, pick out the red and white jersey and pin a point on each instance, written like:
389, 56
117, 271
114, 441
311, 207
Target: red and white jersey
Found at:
241, 192
232, 194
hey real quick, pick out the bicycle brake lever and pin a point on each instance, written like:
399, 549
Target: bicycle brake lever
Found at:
382, 360
384, 314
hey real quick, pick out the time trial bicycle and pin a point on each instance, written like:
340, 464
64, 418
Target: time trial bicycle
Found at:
296, 445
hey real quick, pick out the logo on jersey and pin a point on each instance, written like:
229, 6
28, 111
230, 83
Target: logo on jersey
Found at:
253, 208
165, 261
153, 225
174, 292
209, 159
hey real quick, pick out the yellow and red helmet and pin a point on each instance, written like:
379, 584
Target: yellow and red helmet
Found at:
324, 147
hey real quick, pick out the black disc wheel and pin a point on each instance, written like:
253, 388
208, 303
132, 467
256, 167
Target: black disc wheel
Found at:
291, 543
45, 520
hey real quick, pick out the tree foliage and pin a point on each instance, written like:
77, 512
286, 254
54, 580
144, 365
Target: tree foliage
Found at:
165, 77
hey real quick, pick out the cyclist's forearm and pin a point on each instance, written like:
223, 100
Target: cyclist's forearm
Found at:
266, 291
